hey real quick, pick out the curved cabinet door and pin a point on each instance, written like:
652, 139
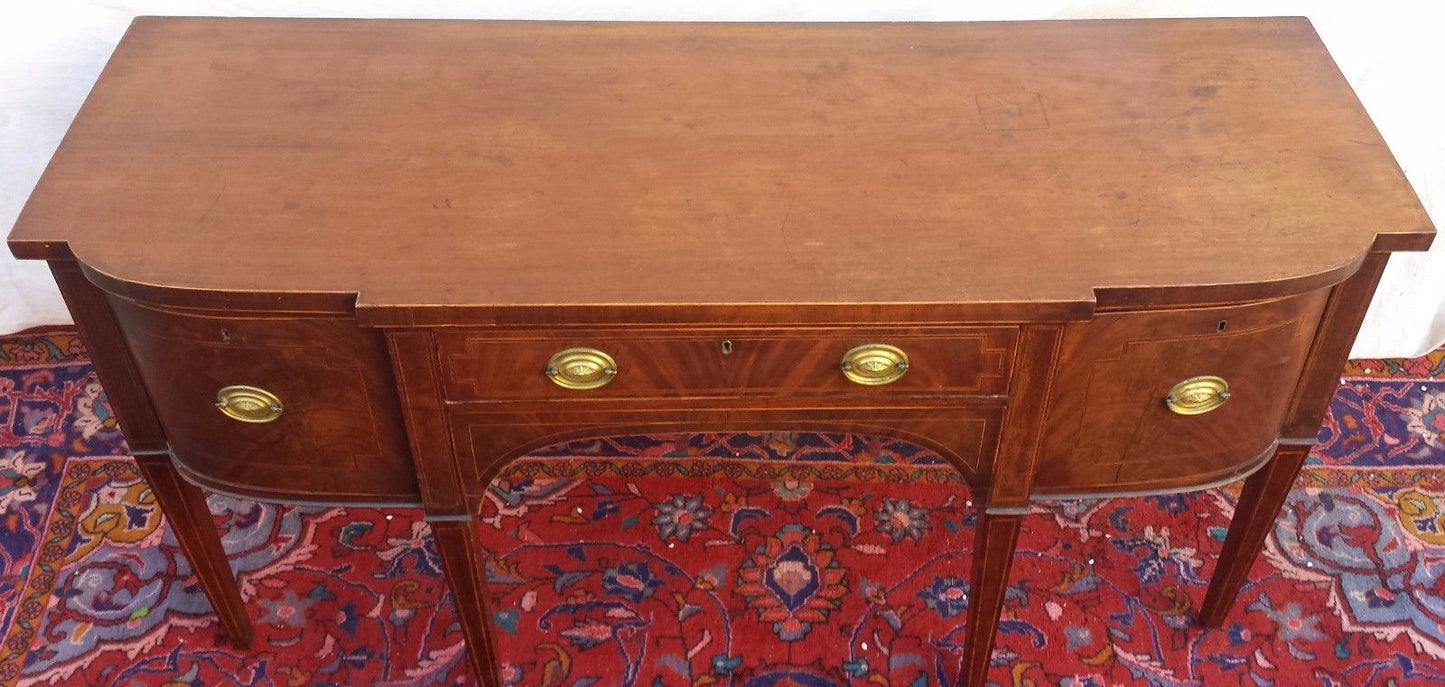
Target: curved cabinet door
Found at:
1110, 425
336, 434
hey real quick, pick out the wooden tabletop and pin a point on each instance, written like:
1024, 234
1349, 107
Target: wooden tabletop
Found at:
498, 166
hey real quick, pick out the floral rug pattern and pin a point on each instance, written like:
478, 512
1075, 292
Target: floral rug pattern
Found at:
724, 559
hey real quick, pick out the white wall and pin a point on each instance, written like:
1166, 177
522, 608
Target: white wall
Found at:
52, 50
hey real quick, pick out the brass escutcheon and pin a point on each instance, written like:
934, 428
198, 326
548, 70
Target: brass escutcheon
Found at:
874, 364
1197, 395
581, 368
248, 403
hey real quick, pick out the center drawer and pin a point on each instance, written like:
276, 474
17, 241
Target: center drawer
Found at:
482, 366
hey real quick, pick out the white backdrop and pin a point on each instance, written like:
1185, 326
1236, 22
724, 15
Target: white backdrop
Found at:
1392, 53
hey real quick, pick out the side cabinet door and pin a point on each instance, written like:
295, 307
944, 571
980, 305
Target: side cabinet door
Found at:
338, 436
1109, 426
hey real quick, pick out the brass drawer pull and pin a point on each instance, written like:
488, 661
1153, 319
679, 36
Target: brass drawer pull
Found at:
1197, 395
248, 403
581, 368
874, 364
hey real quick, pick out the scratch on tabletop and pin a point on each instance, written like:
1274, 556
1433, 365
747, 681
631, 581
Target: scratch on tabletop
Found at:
783, 229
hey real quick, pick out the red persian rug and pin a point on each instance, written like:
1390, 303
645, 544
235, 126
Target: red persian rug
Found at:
743, 560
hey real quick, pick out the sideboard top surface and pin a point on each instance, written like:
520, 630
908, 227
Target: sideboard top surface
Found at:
522, 164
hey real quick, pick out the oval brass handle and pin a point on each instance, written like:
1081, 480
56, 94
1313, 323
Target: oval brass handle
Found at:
874, 364
581, 368
248, 403
1197, 395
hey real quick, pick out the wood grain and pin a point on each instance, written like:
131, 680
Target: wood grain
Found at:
1108, 427
1009, 478
340, 436
1339, 324
850, 169
413, 360
795, 361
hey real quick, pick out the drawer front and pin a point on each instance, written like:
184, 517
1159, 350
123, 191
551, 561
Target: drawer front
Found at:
338, 434
1111, 426
512, 366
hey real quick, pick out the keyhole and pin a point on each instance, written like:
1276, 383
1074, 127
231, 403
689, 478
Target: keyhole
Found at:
1223, 324
225, 336
727, 347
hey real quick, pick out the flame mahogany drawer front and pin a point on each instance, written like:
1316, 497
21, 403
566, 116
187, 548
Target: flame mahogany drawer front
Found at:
1109, 426
337, 430
511, 365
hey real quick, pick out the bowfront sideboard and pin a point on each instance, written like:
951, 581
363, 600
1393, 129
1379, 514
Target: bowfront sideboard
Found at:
372, 262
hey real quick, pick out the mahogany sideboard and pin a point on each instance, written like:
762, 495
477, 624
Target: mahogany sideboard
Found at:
373, 261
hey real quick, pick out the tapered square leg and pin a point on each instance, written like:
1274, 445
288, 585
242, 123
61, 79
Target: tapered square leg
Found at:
457, 544
185, 509
1259, 504
993, 554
